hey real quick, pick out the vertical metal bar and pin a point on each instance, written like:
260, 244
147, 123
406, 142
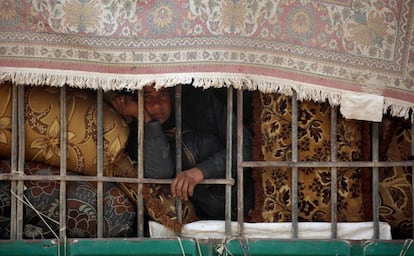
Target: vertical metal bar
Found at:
99, 165
14, 148
375, 179
240, 178
334, 175
229, 147
178, 156
21, 159
412, 167
140, 158
294, 169
63, 163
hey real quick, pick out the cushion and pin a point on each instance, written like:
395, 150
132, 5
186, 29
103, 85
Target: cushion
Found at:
272, 142
5, 203
119, 212
395, 190
158, 201
160, 206
42, 128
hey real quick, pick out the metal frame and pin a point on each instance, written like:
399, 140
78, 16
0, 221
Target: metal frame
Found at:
18, 156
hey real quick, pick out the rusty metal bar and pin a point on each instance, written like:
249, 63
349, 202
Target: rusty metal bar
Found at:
18, 161
99, 165
294, 169
412, 166
313, 164
375, 180
21, 160
244, 164
14, 149
178, 156
63, 163
229, 157
334, 176
34, 177
240, 178
140, 159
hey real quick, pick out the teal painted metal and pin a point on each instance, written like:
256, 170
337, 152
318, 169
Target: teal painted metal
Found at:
155, 247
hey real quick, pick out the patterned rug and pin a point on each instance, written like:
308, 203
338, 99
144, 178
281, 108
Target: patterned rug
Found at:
273, 186
320, 49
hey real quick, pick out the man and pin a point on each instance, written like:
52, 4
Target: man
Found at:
204, 147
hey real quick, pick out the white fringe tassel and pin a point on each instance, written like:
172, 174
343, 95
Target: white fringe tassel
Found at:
105, 81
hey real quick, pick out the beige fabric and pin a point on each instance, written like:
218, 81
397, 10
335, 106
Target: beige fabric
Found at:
362, 106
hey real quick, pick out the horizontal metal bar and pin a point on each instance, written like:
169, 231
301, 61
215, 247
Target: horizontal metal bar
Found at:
9, 176
314, 164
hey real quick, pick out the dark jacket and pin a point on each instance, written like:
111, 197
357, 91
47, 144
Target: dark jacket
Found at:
203, 145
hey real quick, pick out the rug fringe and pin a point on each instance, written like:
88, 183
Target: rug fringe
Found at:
397, 108
106, 81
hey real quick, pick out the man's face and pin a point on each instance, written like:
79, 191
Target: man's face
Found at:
157, 103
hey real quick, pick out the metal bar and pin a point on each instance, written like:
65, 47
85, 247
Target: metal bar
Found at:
35, 177
21, 160
140, 158
178, 156
375, 179
313, 164
99, 165
63, 163
240, 178
14, 148
229, 147
412, 167
334, 176
294, 169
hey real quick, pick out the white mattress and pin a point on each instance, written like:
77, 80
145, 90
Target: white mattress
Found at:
306, 230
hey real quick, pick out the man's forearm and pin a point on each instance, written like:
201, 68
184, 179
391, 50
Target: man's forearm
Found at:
158, 161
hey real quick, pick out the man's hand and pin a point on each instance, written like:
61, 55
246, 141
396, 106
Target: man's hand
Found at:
126, 105
183, 185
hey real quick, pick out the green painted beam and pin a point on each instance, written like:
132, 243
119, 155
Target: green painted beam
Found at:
159, 247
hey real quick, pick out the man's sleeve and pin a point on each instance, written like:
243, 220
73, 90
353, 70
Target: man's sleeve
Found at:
215, 166
157, 153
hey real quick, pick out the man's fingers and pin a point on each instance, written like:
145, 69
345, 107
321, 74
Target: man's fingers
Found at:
183, 185
173, 187
176, 187
180, 187
184, 190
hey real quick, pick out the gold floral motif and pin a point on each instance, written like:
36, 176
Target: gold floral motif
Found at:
110, 153
163, 16
233, 15
313, 183
4, 126
50, 145
301, 23
82, 16
8, 10
371, 32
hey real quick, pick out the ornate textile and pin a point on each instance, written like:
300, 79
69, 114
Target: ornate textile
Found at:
159, 203
119, 212
395, 186
321, 49
42, 128
272, 142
